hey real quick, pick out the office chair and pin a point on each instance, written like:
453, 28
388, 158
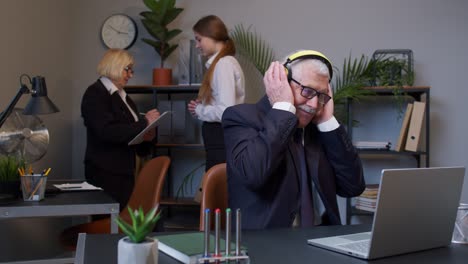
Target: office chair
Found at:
214, 194
146, 193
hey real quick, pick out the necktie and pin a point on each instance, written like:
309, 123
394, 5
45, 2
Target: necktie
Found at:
307, 210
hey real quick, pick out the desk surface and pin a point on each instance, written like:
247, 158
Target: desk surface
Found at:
286, 246
62, 204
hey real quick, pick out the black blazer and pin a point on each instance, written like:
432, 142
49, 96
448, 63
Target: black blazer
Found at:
263, 169
109, 128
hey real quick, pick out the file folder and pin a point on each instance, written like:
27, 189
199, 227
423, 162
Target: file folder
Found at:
415, 126
404, 128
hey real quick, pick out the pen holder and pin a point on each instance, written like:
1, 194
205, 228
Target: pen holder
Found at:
33, 187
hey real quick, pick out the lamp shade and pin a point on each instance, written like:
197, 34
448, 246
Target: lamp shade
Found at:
39, 102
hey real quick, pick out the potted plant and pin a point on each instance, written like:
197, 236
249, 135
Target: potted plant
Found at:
162, 12
137, 247
9, 176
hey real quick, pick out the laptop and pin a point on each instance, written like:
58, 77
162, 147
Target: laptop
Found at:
416, 210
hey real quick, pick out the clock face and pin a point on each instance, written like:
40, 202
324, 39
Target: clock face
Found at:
119, 31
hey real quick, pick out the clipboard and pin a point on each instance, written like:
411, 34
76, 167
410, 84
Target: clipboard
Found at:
139, 138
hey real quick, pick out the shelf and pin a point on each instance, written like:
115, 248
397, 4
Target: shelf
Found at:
167, 89
389, 90
186, 201
183, 146
390, 152
419, 93
184, 208
356, 211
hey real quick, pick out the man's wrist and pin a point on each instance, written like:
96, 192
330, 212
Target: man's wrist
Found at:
286, 106
329, 125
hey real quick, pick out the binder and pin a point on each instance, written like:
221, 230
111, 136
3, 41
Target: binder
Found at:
415, 126
404, 128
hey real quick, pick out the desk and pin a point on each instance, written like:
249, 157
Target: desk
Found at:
64, 204
290, 244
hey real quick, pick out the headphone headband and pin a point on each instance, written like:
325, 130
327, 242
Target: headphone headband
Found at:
307, 54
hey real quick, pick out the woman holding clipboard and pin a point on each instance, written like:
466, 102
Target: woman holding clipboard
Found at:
112, 120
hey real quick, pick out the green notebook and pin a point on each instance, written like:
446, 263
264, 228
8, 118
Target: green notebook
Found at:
188, 247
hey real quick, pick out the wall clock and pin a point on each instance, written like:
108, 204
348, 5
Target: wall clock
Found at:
119, 31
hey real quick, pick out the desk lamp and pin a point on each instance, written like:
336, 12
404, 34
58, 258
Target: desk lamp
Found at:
39, 102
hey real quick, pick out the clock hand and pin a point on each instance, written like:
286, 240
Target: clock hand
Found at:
115, 29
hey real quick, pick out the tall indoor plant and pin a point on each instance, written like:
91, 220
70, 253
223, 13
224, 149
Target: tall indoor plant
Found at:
162, 12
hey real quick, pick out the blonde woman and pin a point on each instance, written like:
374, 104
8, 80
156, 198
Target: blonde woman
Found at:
112, 120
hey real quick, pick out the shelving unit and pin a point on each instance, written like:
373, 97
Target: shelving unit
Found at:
169, 90
418, 93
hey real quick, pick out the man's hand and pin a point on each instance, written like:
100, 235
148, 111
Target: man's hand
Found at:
327, 111
192, 105
276, 84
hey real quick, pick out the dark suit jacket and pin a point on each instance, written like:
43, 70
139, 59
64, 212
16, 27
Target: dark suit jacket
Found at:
109, 128
264, 172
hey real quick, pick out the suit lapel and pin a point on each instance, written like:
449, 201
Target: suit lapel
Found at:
121, 107
131, 104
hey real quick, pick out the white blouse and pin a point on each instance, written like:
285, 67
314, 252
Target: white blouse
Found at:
228, 89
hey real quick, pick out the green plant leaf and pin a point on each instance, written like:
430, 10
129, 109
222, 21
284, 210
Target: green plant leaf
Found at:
142, 224
171, 15
9, 165
155, 22
251, 46
169, 50
172, 34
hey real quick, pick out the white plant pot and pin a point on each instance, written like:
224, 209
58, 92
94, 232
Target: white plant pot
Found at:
137, 253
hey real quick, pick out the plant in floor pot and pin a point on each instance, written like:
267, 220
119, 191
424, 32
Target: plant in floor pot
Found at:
162, 12
137, 247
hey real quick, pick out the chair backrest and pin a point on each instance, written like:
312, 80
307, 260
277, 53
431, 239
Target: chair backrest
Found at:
214, 194
148, 186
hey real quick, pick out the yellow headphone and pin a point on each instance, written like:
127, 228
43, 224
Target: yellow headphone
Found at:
307, 54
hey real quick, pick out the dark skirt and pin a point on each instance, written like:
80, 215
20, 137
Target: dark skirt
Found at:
213, 138
117, 186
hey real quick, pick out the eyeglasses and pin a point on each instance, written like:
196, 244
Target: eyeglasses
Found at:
129, 69
309, 93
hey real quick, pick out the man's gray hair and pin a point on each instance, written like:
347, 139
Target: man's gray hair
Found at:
298, 66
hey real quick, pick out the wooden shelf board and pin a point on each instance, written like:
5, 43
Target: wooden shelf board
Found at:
162, 89
186, 201
173, 145
390, 152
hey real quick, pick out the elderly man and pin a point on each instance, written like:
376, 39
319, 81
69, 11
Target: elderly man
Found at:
287, 156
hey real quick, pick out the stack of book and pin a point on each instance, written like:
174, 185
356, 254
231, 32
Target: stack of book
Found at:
367, 201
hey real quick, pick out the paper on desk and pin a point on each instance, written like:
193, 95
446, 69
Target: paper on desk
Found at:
84, 186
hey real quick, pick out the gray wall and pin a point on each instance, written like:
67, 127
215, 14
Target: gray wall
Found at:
36, 40
63, 44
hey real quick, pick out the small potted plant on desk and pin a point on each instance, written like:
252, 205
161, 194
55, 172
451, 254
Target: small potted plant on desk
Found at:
137, 247
162, 12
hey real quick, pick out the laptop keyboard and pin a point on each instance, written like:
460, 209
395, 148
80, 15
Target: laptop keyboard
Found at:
359, 246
